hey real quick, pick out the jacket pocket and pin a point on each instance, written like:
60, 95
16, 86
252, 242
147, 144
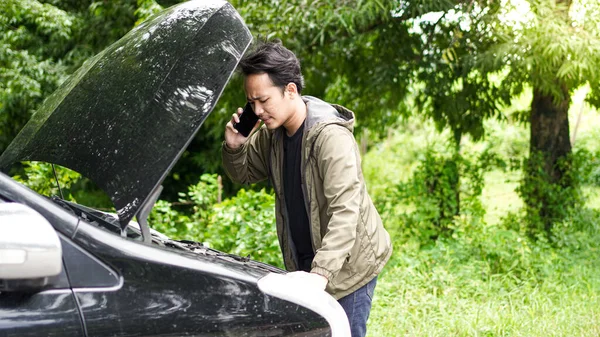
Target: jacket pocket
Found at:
349, 268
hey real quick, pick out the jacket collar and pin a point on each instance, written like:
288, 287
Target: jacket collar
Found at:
319, 114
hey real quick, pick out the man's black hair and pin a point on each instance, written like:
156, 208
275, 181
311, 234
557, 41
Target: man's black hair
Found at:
275, 60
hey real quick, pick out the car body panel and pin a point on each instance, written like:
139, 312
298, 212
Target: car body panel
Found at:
47, 313
171, 291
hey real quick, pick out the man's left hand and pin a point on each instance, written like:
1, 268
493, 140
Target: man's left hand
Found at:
313, 280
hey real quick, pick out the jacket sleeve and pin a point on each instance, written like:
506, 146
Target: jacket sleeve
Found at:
249, 163
338, 165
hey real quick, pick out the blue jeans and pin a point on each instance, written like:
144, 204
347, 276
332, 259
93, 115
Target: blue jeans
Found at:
357, 306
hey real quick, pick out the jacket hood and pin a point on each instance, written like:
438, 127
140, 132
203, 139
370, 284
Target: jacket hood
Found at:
126, 116
320, 114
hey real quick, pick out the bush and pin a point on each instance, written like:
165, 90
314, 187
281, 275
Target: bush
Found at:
550, 200
243, 225
40, 177
442, 188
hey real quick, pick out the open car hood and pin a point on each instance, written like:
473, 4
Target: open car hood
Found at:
124, 118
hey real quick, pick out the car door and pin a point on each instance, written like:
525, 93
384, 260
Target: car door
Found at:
51, 312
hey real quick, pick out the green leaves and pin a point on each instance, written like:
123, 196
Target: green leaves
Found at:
41, 28
145, 9
555, 47
243, 225
42, 43
444, 190
40, 177
32, 37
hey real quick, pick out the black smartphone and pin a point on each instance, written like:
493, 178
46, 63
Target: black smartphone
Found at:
248, 120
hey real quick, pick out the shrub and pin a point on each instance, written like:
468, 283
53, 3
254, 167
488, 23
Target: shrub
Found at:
552, 200
442, 188
40, 177
245, 225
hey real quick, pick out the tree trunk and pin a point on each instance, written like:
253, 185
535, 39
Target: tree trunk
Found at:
549, 145
550, 131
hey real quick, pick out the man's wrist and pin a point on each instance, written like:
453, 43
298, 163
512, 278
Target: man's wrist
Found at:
230, 149
231, 146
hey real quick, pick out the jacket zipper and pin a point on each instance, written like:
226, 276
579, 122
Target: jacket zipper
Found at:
303, 186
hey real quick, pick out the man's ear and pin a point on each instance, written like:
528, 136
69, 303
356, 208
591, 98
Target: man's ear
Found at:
291, 89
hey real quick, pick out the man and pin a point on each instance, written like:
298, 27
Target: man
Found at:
329, 230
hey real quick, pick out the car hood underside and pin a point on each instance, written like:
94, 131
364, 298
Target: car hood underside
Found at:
125, 117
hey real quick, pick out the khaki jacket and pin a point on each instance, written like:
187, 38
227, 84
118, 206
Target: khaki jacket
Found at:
351, 246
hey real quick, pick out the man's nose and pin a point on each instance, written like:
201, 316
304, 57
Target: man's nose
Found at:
258, 110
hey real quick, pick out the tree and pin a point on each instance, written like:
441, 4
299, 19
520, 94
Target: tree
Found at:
42, 42
495, 53
465, 60
29, 69
556, 51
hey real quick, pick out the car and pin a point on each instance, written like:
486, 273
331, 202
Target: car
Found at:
122, 120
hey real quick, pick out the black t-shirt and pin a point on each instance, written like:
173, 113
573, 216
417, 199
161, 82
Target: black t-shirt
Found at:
294, 199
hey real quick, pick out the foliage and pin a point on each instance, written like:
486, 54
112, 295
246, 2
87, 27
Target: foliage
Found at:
32, 36
146, 8
460, 61
476, 56
338, 45
553, 43
550, 203
243, 225
40, 177
169, 221
489, 281
443, 189
42, 42
485, 277
590, 147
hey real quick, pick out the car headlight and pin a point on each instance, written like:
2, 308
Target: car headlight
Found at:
295, 291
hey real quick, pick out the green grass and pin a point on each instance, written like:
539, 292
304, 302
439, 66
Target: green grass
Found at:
499, 195
420, 296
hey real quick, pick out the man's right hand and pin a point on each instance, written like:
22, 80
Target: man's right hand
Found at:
233, 138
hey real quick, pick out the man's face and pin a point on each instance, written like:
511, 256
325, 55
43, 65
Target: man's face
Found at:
271, 105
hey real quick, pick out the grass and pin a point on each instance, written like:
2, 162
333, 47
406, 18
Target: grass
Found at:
444, 298
499, 195
482, 282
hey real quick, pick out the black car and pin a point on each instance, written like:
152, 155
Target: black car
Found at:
122, 120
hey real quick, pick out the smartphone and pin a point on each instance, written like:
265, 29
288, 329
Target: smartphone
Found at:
247, 122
